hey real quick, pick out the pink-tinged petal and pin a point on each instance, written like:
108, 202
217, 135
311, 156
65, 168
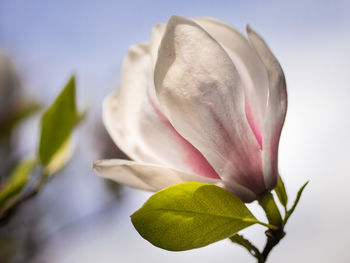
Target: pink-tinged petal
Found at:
151, 177
201, 93
244, 193
136, 124
276, 109
145, 176
253, 122
249, 66
191, 157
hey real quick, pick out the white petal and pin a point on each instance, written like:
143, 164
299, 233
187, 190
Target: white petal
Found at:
144, 176
153, 178
139, 128
201, 93
157, 34
121, 112
276, 109
249, 66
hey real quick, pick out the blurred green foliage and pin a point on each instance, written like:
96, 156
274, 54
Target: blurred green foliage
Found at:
54, 150
16, 182
58, 122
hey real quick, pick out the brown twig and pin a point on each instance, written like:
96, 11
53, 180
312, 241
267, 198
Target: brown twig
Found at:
273, 238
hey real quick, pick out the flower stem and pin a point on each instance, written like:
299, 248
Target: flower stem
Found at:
273, 238
276, 233
267, 202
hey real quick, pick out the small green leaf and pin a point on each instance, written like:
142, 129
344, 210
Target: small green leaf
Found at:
191, 215
240, 240
60, 158
281, 192
58, 122
290, 211
18, 179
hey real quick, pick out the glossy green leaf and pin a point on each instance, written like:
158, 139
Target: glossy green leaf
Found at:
191, 215
58, 122
18, 179
290, 212
281, 192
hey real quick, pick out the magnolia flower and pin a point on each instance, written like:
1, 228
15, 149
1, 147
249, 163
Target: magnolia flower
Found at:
199, 103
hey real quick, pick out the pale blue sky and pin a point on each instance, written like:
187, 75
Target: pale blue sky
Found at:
51, 39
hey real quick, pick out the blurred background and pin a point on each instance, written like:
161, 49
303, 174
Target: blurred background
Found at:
78, 217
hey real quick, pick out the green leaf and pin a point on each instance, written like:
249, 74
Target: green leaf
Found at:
240, 240
58, 122
191, 215
281, 192
18, 179
290, 212
60, 158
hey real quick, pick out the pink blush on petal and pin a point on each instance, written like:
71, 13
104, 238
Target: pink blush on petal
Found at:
196, 160
254, 124
192, 157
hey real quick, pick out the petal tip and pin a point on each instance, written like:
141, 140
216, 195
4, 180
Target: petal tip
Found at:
174, 18
248, 28
251, 33
97, 165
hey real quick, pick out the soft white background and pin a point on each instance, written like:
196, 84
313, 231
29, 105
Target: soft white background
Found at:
49, 40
